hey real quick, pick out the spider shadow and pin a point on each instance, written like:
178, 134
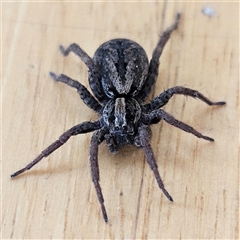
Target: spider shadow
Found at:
124, 155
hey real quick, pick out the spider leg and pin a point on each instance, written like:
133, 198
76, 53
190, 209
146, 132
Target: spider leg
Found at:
85, 95
94, 74
154, 63
145, 142
164, 97
79, 52
78, 129
97, 138
157, 115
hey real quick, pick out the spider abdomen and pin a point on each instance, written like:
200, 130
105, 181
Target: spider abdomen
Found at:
123, 65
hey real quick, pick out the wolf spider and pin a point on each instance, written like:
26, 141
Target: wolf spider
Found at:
121, 78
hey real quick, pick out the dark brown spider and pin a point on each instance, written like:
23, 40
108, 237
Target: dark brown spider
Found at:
121, 78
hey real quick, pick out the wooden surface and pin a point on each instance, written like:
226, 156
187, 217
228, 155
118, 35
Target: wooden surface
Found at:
57, 199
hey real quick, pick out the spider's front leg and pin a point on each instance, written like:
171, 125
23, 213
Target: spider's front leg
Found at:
144, 137
97, 138
164, 97
78, 129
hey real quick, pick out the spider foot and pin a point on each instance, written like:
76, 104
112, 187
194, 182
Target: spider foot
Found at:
18, 172
64, 51
53, 75
219, 103
104, 213
60, 78
167, 195
207, 138
178, 17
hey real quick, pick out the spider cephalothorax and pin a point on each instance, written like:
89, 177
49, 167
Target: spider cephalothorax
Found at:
121, 78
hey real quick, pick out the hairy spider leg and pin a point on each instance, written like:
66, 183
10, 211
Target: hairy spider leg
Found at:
79, 52
154, 63
97, 138
94, 74
78, 129
164, 97
145, 143
156, 115
85, 95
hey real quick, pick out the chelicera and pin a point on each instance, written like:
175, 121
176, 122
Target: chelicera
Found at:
121, 79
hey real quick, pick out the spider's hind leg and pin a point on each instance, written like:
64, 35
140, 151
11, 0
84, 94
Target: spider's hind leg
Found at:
156, 116
85, 95
94, 73
164, 97
79, 52
154, 63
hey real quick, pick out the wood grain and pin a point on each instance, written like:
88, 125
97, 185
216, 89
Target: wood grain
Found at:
56, 199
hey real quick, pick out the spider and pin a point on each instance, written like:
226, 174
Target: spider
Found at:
121, 79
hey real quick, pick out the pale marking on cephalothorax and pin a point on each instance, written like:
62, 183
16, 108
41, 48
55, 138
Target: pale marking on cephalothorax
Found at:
120, 112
